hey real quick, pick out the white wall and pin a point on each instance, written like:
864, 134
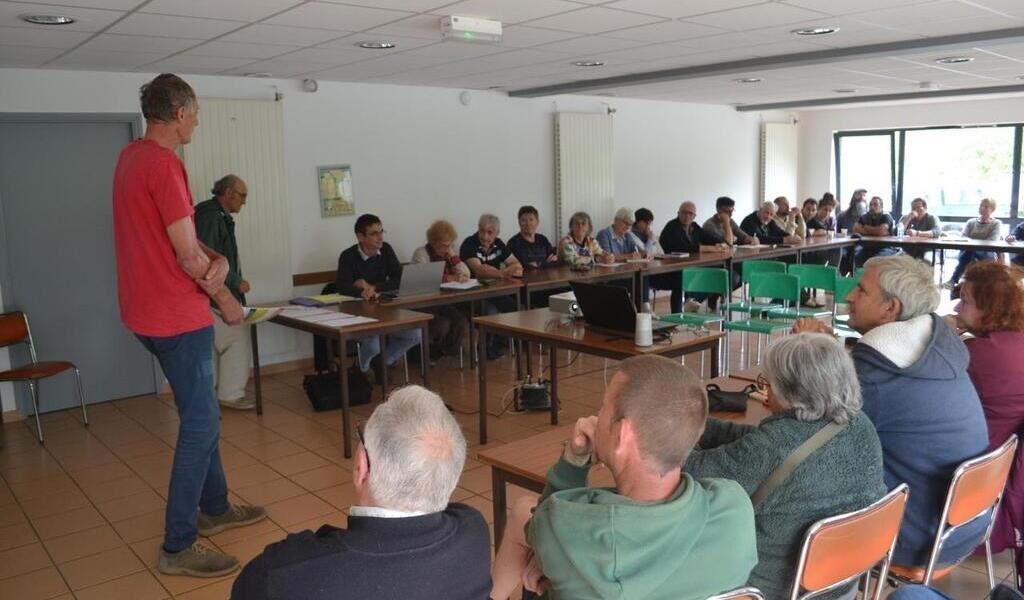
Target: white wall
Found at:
417, 154
817, 127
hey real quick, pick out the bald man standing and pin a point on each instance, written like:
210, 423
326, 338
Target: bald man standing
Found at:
216, 228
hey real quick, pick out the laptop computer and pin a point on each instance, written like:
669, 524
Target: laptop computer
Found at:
418, 279
609, 309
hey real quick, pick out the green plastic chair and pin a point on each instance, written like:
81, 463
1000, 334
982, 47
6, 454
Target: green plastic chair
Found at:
815, 277
750, 268
705, 280
767, 285
843, 287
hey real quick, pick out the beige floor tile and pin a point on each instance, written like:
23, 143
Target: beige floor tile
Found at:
241, 533
37, 585
178, 585
141, 448
476, 480
141, 527
13, 536
83, 543
322, 477
98, 568
964, 584
296, 463
24, 559
247, 549
274, 450
483, 505
104, 491
64, 523
29, 490
101, 473
214, 591
251, 475
339, 496
148, 551
137, 586
460, 494
297, 509
11, 514
269, 492
131, 506
57, 503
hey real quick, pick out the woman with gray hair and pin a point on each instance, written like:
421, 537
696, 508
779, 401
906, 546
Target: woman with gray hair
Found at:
578, 248
813, 393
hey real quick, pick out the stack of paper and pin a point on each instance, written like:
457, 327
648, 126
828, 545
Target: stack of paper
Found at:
326, 318
464, 285
321, 299
258, 315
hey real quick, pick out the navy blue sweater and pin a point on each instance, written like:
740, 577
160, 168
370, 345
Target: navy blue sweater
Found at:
439, 555
929, 420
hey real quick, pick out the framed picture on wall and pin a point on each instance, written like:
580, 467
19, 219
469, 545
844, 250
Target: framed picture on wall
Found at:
336, 191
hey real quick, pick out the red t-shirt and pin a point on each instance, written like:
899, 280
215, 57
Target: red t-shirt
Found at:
157, 297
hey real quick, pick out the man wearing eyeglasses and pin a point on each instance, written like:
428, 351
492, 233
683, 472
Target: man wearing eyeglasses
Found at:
403, 540
216, 228
366, 269
681, 234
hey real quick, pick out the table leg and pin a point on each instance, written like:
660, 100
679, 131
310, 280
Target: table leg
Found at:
383, 339
638, 289
256, 368
346, 416
554, 383
481, 343
500, 501
425, 353
474, 333
715, 366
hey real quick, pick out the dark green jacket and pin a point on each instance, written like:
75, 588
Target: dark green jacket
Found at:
842, 476
596, 543
216, 229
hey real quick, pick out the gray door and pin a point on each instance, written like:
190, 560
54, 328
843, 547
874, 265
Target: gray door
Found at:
58, 265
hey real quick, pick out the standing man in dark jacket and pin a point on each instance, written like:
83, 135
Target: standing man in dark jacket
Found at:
216, 229
404, 540
365, 269
912, 369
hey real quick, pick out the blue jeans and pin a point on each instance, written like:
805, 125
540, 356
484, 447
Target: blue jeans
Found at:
197, 475
966, 258
398, 344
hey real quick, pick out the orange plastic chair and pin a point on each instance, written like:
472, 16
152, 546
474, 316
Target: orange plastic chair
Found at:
977, 488
14, 329
744, 593
839, 550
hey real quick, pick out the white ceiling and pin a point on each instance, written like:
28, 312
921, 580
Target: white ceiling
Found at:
298, 38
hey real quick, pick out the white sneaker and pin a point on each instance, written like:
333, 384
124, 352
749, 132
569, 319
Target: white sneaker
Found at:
239, 404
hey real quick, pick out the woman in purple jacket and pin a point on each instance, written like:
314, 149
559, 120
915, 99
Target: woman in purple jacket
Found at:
992, 310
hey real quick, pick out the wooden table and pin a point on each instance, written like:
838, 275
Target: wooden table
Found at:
526, 462
536, 280
389, 320
556, 331
940, 243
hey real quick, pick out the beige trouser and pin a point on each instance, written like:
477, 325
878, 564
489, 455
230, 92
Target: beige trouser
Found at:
231, 359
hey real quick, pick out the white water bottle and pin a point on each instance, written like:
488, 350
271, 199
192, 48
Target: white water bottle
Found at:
644, 335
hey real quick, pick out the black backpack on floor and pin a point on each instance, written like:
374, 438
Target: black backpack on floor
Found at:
324, 388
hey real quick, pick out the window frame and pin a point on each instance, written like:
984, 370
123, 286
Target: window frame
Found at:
897, 155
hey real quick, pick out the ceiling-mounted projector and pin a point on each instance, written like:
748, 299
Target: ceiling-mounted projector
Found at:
470, 29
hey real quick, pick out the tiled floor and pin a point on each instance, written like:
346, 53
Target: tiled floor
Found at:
82, 516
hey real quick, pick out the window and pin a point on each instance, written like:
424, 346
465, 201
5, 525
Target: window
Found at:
952, 167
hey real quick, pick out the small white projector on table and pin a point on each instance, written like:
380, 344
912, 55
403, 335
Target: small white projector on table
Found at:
565, 303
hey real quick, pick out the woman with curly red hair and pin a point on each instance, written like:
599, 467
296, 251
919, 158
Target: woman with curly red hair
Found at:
992, 310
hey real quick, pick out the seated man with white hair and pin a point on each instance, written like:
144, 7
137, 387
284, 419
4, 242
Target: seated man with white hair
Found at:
404, 540
616, 240
660, 533
912, 369
761, 224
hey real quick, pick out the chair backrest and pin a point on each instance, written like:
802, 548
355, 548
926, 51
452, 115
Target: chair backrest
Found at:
753, 267
14, 329
817, 277
839, 549
978, 483
705, 280
743, 593
843, 286
775, 285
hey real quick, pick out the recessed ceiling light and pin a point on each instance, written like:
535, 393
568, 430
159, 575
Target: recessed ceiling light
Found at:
48, 19
589, 63
845, 91
376, 45
748, 80
823, 30
258, 75
954, 60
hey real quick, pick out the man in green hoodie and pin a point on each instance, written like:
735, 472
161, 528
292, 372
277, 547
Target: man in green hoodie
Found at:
660, 533
216, 228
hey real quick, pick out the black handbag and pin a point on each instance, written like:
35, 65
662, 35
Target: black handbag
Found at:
721, 401
324, 389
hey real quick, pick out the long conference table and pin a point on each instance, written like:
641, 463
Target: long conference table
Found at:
398, 314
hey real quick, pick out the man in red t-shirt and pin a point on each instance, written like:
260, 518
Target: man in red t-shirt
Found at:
165, 279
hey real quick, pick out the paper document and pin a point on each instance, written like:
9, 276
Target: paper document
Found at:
258, 315
460, 285
321, 299
332, 319
613, 264
638, 260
